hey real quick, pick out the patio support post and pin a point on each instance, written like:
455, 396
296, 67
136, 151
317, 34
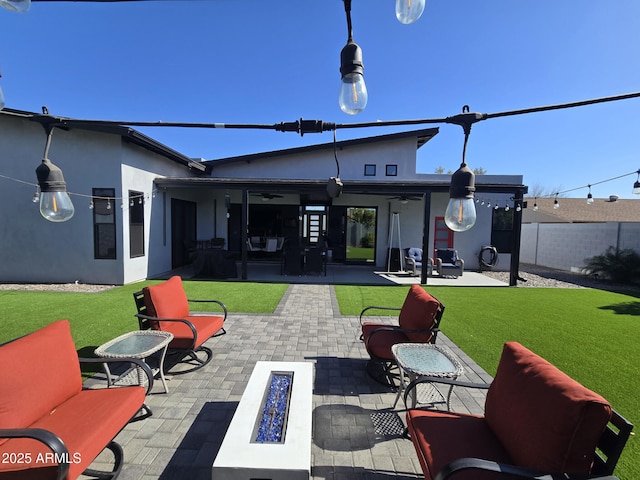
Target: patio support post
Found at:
425, 237
514, 269
245, 231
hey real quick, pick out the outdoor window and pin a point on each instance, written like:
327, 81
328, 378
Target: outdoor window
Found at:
502, 230
369, 170
136, 224
392, 170
104, 223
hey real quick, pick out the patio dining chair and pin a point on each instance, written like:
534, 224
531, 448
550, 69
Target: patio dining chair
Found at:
418, 322
165, 307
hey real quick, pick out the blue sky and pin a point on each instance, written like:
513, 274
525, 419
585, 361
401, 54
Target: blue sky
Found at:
258, 61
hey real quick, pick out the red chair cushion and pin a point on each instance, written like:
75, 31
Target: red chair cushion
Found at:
167, 299
85, 423
441, 437
418, 312
379, 345
206, 326
38, 372
544, 418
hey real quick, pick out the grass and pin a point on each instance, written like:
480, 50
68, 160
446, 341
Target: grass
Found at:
592, 335
96, 318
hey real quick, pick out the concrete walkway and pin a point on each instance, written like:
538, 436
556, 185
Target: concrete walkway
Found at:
355, 434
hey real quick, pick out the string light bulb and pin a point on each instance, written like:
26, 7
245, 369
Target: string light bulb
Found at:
55, 203
19, 6
460, 214
408, 11
589, 196
353, 91
636, 184
556, 205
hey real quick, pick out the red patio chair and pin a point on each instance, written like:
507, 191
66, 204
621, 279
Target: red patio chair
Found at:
166, 307
418, 322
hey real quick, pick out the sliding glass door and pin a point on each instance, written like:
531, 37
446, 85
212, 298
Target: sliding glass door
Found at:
361, 234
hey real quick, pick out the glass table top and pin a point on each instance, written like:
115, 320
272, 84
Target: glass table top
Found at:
138, 344
426, 359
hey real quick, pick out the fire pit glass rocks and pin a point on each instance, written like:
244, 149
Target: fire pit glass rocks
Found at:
272, 424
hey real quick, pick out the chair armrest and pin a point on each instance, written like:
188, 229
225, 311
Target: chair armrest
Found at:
194, 332
447, 381
218, 302
391, 328
462, 464
395, 309
460, 263
50, 439
136, 362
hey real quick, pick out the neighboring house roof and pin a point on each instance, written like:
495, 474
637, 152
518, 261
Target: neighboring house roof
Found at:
576, 210
423, 136
128, 134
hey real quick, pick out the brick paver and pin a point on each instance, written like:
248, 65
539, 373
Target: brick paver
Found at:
355, 434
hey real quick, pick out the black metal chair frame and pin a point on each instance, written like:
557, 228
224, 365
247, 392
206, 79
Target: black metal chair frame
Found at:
608, 449
388, 375
176, 356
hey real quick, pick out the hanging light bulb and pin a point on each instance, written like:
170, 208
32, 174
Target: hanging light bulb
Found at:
408, 11
55, 204
353, 91
556, 205
636, 184
589, 197
535, 205
19, 6
461, 210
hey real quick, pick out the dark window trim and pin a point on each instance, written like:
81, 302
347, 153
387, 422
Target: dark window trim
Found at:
367, 172
391, 170
100, 199
136, 224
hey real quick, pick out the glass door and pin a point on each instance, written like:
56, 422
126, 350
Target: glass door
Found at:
361, 234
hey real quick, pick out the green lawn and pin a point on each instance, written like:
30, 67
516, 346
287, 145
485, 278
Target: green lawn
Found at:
98, 317
592, 335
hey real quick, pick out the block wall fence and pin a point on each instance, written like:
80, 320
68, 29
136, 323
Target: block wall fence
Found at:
565, 246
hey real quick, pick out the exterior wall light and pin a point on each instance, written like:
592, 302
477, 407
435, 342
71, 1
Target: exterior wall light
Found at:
55, 203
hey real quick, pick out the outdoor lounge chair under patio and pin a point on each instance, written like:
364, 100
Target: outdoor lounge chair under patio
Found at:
166, 307
448, 263
418, 322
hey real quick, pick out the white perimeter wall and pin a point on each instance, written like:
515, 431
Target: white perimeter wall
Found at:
567, 245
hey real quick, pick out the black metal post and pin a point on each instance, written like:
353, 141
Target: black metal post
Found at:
425, 238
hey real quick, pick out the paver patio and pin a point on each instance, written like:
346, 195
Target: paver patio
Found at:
355, 434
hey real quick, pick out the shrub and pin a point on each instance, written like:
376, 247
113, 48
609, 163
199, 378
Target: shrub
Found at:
620, 266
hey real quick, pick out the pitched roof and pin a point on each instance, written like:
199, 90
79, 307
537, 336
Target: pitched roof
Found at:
128, 134
576, 210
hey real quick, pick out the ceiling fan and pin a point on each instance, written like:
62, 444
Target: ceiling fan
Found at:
406, 198
266, 196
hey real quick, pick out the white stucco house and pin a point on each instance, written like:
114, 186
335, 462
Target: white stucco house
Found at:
141, 207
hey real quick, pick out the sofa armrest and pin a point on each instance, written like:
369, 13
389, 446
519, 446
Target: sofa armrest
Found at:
371, 307
136, 362
51, 440
446, 381
222, 306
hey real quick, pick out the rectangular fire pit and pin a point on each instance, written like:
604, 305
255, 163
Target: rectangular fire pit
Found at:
269, 436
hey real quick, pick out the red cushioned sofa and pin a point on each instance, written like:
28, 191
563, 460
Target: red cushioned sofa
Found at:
418, 322
165, 307
50, 427
537, 420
